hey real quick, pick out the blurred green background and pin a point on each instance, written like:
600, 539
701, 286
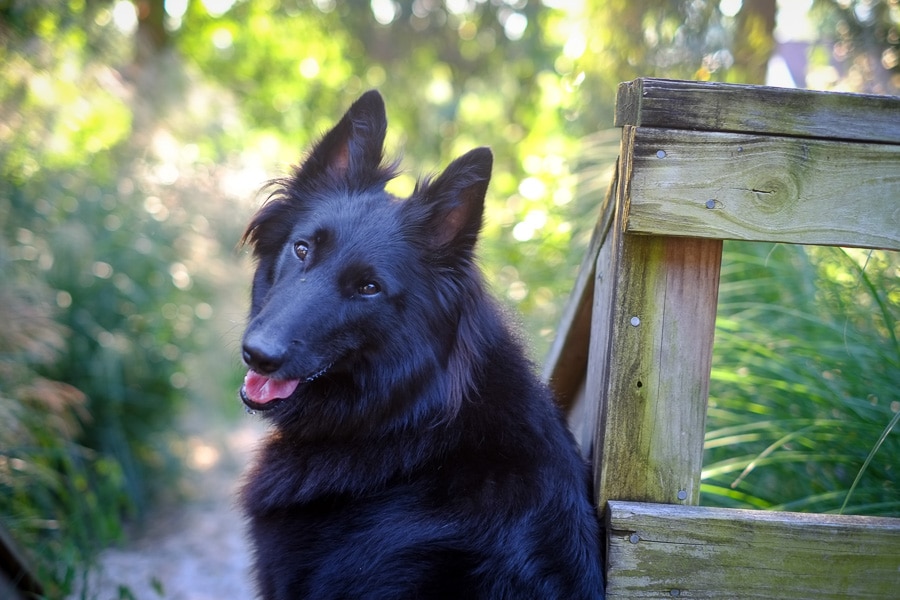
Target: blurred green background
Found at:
135, 136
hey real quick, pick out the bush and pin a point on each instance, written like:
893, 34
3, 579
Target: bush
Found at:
803, 396
48, 481
105, 295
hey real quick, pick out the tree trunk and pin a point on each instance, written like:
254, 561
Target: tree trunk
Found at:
151, 37
754, 40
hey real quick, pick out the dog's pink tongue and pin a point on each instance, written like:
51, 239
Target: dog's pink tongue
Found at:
262, 389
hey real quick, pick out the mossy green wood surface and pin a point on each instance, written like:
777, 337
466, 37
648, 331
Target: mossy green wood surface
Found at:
567, 366
764, 188
651, 347
664, 551
596, 384
714, 106
564, 369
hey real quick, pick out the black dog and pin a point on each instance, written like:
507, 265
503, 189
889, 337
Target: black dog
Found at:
414, 453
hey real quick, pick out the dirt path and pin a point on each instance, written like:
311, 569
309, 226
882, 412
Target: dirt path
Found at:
197, 550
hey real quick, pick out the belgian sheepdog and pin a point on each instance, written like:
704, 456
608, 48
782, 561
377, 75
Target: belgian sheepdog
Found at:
413, 452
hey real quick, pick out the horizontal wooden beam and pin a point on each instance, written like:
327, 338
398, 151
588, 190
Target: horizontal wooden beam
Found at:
666, 551
764, 188
758, 109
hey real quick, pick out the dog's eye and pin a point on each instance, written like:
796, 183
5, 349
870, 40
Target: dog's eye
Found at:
301, 249
369, 288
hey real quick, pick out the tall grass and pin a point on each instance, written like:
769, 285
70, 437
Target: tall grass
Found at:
804, 397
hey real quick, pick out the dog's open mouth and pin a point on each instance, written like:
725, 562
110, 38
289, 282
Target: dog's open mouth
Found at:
260, 392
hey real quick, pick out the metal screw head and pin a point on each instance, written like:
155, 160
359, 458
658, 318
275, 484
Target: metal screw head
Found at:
660, 154
635, 321
711, 203
634, 538
682, 494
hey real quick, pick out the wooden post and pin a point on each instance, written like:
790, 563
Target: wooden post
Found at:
651, 348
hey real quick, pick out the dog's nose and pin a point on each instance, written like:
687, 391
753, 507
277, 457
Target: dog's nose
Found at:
261, 359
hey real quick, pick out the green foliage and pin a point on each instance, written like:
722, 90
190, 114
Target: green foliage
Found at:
866, 36
101, 289
53, 490
803, 398
654, 38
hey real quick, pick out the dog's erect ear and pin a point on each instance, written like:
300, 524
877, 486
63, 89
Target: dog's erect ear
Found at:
456, 200
353, 149
349, 155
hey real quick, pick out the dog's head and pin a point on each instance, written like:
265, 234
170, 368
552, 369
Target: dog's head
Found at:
358, 294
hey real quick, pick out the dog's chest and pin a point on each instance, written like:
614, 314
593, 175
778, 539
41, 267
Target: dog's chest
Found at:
355, 546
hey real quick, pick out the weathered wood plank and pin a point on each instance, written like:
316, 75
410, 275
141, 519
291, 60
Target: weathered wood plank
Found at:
758, 109
651, 347
596, 380
566, 363
650, 442
664, 551
596, 391
765, 188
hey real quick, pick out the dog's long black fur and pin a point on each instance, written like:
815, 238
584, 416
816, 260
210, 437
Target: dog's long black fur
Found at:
413, 453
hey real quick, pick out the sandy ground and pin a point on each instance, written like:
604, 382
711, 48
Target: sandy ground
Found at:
195, 550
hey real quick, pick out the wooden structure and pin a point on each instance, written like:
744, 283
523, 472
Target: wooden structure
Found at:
700, 163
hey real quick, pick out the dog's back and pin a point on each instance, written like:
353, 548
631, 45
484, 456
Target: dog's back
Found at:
415, 454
